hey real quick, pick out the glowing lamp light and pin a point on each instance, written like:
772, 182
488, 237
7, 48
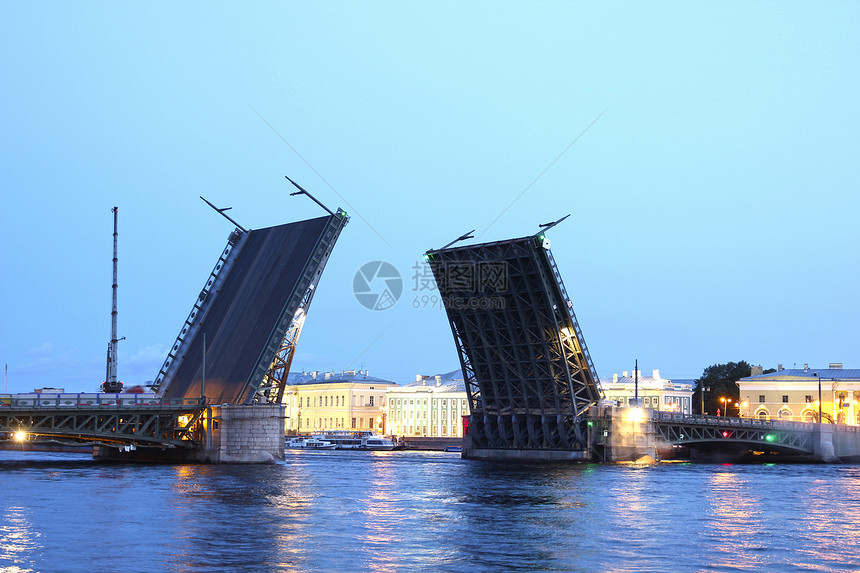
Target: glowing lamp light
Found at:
770, 437
725, 434
635, 415
20, 436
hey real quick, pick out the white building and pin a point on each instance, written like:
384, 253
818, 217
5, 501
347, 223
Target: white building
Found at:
349, 400
431, 406
654, 391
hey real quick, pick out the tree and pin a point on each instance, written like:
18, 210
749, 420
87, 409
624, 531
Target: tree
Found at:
719, 381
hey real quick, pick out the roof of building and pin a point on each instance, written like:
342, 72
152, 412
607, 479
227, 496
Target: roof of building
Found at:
812, 373
644, 382
449, 382
344, 376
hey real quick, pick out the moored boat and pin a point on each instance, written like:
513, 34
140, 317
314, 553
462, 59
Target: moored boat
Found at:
356, 440
311, 443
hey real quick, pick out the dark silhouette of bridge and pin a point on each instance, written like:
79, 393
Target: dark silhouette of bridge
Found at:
234, 348
529, 377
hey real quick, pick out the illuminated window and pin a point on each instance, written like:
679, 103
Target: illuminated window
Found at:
809, 399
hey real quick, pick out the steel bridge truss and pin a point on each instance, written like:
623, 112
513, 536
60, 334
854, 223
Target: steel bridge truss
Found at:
702, 429
286, 336
227, 307
529, 376
161, 426
201, 305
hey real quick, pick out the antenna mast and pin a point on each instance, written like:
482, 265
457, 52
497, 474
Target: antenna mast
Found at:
111, 384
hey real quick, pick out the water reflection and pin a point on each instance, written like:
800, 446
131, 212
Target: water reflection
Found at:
418, 511
18, 540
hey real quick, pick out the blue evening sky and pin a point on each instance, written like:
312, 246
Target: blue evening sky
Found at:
712, 179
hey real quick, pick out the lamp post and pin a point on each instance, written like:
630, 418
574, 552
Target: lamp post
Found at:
726, 403
819, 395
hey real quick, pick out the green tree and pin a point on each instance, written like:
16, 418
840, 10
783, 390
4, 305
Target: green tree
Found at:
719, 381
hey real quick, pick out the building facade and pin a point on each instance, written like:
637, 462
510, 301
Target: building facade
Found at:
432, 406
654, 392
349, 400
799, 394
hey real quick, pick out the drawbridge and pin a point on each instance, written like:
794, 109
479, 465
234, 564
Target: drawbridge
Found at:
238, 341
234, 348
529, 376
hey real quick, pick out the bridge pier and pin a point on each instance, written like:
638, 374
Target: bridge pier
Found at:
632, 436
237, 434
822, 447
230, 434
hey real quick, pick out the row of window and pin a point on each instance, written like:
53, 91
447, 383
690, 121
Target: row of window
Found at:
335, 423
422, 430
400, 414
654, 401
323, 401
807, 415
397, 402
809, 400
340, 400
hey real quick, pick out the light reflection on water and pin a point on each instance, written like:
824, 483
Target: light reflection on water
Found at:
423, 511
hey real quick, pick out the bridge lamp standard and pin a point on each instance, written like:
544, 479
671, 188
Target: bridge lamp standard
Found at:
726, 403
819, 395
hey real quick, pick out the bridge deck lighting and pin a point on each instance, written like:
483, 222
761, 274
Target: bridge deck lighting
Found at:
20, 436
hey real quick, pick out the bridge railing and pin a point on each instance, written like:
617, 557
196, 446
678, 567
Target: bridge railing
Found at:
89, 400
725, 421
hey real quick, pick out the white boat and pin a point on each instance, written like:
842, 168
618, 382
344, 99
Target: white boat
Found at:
312, 443
376, 443
356, 440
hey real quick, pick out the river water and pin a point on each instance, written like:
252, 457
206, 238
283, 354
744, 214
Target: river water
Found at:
423, 511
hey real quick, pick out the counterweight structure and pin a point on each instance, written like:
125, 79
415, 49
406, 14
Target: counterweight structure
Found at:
529, 376
237, 343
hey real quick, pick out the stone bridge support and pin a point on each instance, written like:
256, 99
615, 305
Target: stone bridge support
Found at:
236, 434
632, 436
228, 434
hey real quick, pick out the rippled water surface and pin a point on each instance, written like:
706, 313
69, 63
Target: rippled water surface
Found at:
424, 511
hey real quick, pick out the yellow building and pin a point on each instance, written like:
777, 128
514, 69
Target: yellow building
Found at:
350, 400
654, 391
432, 406
793, 394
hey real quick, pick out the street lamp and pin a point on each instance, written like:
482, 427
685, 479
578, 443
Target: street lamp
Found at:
819, 395
726, 403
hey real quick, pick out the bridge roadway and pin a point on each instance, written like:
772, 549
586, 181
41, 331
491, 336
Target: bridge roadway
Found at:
629, 431
123, 420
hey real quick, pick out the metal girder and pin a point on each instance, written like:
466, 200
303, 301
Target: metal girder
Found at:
269, 377
154, 426
528, 374
236, 345
271, 388
201, 305
685, 429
